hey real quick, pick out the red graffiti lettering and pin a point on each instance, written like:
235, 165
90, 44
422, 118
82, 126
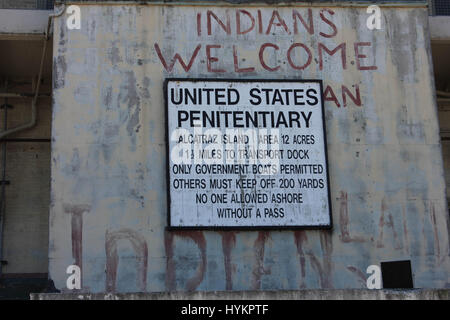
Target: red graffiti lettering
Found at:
112, 258
340, 47
359, 56
355, 98
169, 67
280, 22
261, 56
210, 59
226, 28
330, 23
238, 21
289, 56
236, 63
309, 27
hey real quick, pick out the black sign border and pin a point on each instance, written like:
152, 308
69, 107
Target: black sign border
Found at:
169, 227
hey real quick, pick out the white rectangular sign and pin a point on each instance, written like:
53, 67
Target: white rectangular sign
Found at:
246, 154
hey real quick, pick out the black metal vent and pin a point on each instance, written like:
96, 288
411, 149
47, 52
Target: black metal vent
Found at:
27, 4
45, 4
397, 275
441, 7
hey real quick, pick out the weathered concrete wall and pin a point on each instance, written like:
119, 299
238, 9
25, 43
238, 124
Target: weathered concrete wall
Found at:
108, 200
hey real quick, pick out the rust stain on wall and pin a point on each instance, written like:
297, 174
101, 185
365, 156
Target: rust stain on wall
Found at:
76, 212
170, 265
200, 241
435, 231
228, 243
359, 274
112, 258
323, 269
344, 221
405, 229
258, 268
300, 238
390, 224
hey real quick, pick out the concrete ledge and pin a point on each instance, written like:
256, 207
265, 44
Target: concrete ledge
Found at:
23, 21
440, 28
345, 294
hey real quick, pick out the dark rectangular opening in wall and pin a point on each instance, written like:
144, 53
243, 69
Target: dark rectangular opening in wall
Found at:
27, 4
397, 275
441, 7
440, 53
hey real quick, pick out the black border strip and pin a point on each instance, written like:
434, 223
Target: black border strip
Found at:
25, 140
169, 227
